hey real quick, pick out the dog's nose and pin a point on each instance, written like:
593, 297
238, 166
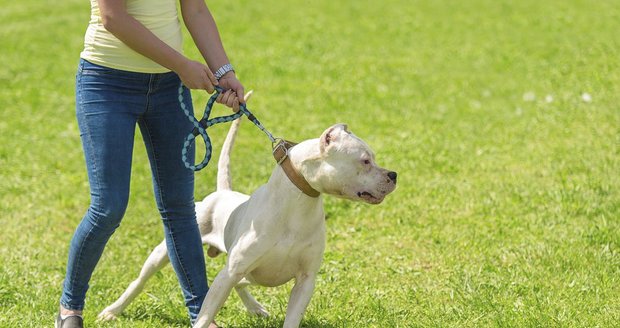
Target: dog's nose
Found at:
392, 175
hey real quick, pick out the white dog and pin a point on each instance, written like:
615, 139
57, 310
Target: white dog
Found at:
277, 233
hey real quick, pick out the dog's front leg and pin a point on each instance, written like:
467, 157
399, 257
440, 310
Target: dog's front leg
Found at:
223, 283
299, 299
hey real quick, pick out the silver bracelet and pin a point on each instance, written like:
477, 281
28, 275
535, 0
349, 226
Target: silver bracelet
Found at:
223, 70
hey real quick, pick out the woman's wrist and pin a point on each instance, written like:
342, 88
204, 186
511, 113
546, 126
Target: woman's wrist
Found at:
179, 64
224, 70
228, 75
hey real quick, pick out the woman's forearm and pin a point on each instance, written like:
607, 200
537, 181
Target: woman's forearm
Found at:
202, 27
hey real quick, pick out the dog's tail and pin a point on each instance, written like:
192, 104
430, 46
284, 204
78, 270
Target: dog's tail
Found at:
224, 180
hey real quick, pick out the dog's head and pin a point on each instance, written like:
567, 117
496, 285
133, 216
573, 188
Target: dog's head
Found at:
347, 168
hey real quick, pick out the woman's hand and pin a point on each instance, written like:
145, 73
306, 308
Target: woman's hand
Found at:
196, 75
233, 96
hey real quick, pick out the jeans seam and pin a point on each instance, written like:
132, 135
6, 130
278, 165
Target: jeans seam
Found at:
147, 139
79, 260
88, 135
148, 93
187, 278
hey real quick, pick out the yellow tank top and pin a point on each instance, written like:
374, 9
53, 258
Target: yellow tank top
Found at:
103, 48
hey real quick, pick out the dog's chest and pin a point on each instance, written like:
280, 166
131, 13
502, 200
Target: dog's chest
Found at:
289, 254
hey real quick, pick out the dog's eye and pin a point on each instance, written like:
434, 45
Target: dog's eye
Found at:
366, 161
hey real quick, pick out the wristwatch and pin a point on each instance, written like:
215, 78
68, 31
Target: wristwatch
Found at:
223, 70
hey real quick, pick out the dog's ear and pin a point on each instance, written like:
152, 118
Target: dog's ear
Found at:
332, 135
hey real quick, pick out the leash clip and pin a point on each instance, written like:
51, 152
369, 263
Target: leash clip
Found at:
279, 144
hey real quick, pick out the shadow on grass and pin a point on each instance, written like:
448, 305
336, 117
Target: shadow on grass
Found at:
169, 320
278, 323
161, 318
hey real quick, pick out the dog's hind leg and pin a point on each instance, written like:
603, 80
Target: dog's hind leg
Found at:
157, 260
251, 304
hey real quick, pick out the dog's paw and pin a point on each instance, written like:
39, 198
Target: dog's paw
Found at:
259, 311
107, 315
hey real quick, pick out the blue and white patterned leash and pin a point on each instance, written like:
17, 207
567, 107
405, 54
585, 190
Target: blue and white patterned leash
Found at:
200, 127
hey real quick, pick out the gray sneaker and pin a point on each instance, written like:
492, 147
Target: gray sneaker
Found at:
73, 321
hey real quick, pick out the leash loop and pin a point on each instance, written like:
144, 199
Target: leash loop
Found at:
200, 127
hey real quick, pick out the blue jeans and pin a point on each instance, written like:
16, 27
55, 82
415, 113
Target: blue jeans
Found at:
109, 103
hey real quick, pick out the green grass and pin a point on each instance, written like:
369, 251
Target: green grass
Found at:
507, 212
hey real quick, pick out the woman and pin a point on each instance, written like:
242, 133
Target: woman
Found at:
130, 71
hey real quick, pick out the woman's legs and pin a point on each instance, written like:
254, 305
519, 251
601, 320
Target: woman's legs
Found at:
164, 127
109, 103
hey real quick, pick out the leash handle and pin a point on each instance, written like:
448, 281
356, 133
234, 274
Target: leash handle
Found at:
200, 127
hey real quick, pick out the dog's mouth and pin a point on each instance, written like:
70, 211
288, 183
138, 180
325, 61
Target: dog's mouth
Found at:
368, 197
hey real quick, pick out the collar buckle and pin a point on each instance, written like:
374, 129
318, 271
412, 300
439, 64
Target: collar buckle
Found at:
280, 150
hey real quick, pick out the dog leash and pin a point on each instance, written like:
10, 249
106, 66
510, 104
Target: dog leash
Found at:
200, 127
280, 147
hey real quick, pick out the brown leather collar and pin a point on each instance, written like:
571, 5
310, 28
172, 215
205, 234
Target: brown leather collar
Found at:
280, 153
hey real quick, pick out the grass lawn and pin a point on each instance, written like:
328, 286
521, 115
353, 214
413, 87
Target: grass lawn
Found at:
501, 117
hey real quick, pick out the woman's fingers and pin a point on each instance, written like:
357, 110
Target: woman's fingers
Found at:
235, 105
229, 98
